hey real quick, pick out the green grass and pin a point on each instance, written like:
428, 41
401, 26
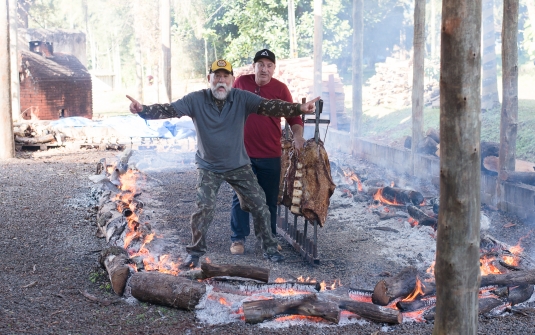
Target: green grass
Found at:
391, 124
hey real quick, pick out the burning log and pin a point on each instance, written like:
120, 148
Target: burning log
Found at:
260, 310
510, 279
168, 290
244, 271
519, 294
372, 312
391, 288
422, 218
367, 310
396, 196
518, 177
115, 260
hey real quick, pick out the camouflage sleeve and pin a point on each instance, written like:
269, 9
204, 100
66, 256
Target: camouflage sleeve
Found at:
158, 111
279, 108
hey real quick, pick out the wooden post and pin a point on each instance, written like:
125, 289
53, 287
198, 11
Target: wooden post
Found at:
332, 102
15, 85
318, 40
7, 143
489, 80
418, 80
291, 29
165, 30
457, 256
358, 42
509, 116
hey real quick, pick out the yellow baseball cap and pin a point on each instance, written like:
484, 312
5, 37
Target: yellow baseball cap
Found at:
221, 64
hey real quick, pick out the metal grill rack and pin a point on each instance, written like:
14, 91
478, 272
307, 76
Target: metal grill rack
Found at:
305, 246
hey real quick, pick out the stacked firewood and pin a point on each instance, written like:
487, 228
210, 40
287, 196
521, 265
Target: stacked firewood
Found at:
36, 133
298, 75
429, 145
392, 85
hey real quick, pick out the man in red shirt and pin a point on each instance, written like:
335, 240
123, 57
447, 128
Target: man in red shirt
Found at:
262, 142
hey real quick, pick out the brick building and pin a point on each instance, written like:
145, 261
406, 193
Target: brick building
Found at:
53, 85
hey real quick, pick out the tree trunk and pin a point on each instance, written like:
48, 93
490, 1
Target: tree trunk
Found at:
167, 290
118, 82
433, 29
457, 256
291, 29
318, 40
509, 116
358, 42
15, 84
139, 70
22, 9
489, 83
7, 145
165, 31
418, 80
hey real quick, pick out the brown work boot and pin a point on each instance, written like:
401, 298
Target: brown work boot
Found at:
237, 248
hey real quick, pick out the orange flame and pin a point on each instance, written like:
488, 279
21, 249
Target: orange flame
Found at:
511, 260
351, 176
413, 222
379, 197
417, 291
486, 267
280, 280
299, 318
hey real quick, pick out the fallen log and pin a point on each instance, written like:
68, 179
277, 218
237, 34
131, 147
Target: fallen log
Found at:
518, 177
510, 279
165, 289
389, 289
485, 305
366, 310
244, 271
519, 294
249, 287
115, 260
422, 218
427, 146
396, 195
35, 140
260, 310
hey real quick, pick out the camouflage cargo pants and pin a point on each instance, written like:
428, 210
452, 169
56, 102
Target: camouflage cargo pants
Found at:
252, 199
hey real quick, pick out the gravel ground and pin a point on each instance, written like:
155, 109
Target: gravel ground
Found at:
52, 283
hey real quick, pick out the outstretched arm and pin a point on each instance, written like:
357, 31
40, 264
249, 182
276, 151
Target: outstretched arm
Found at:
283, 108
152, 112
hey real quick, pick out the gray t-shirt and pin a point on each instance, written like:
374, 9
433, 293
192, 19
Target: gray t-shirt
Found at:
220, 145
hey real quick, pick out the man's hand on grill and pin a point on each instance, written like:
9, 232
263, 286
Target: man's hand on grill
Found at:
309, 107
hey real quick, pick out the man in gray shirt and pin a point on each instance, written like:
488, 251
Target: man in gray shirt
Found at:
219, 114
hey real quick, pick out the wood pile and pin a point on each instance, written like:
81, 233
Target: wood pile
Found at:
298, 75
39, 134
392, 85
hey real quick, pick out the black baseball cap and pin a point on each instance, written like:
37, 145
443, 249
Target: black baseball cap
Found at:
264, 53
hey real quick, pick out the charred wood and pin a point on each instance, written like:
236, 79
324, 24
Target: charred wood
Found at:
397, 195
249, 287
519, 294
434, 134
510, 279
489, 149
427, 146
372, 312
244, 271
389, 289
422, 218
309, 305
167, 290
35, 140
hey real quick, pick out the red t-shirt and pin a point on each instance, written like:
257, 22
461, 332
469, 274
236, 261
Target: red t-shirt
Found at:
263, 133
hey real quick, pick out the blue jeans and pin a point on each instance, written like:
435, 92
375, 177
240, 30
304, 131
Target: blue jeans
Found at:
267, 172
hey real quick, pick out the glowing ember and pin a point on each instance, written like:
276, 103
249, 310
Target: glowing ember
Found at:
417, 291
486, 267
379, 197
511, 260
352, 177
413, 222
280, 280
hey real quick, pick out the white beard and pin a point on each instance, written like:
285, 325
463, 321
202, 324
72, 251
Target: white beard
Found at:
218, 94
